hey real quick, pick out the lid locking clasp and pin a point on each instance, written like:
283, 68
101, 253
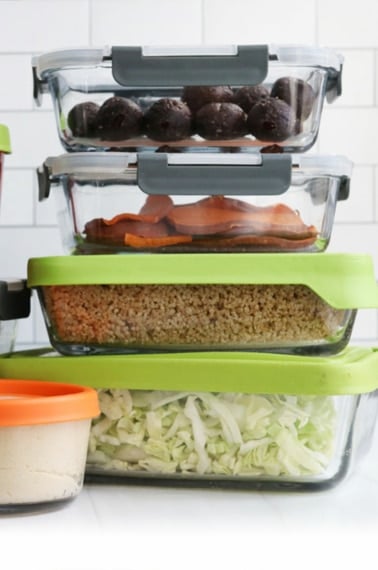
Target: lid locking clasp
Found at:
43, 175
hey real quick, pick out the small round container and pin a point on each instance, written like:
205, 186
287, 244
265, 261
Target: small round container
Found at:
5, 148
44, 432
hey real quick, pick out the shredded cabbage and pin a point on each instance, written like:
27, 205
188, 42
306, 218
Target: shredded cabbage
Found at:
207, 433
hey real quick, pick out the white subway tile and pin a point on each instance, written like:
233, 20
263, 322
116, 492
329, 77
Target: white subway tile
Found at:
46, 213
253, 22
366, 325
356, 238
25, 329
16, 84
359, 207
353, 133
43, 25
376, 196
358, 84
349, 24
34, 136
18, 245
17, 200
138, 22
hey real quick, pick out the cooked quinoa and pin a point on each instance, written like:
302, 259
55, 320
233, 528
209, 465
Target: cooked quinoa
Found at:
159, 316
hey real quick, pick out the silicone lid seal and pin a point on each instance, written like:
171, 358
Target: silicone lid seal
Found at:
5, 144
344, 281
353, 371
25, 402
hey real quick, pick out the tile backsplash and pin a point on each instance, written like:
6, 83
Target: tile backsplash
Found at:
349, 126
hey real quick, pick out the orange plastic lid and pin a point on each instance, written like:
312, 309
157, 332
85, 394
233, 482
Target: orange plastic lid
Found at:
25, 402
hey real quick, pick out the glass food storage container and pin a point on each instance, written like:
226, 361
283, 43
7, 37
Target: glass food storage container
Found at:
237, 420
248, 96
44, 434
163, 303
165, 202
5, 148
14, 305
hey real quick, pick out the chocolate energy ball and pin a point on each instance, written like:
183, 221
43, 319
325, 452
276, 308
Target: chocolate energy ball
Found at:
271, 120
296, 93
168, 120
198, 96
247, 96
119, 118
217, 121
81, 119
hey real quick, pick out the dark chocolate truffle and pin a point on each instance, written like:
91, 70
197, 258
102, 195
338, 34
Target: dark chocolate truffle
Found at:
198, 96
168, 120
247, 96
271, 120
221, 121
296, 93
118, 119
81, 119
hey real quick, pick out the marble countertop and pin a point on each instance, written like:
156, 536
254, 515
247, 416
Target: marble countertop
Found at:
113, 527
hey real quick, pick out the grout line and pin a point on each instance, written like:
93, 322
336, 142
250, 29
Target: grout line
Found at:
90, 22
203, 22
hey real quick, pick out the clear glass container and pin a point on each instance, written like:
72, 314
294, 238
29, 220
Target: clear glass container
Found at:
235, 420
199, 97
266, 302
164, 203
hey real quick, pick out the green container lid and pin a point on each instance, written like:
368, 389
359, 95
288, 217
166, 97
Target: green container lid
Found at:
353, 371
344, 281
5, 144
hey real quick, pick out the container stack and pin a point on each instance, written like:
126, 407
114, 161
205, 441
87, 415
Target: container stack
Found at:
196, 294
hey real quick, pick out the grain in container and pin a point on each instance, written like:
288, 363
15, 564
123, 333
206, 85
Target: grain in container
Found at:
151, 303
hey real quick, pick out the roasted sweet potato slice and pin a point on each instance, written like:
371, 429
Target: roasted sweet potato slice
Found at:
149, 242
154, 209
206, 218
98, 232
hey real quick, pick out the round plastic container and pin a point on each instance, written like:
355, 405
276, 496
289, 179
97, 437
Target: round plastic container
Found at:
5, 148
44, 432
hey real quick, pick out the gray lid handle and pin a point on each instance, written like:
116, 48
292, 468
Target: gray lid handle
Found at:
271, 177
131, 68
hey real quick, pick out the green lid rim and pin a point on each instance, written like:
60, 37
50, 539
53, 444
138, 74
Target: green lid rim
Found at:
5, 143
344, 281
351, 372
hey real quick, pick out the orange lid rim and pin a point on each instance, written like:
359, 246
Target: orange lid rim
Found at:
30, 402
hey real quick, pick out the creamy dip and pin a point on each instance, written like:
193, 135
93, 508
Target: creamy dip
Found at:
43, 462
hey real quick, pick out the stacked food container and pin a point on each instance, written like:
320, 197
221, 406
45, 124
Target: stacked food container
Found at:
14, 293
44, 426
196, 295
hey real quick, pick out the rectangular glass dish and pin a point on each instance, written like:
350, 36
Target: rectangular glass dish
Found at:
199, 97
159, 303
193, 203
222, 420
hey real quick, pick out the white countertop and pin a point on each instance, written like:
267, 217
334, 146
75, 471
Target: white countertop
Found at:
113, 527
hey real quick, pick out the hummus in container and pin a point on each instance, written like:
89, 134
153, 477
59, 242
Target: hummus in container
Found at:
44, 431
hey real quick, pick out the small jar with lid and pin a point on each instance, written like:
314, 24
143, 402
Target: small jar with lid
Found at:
44, 433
